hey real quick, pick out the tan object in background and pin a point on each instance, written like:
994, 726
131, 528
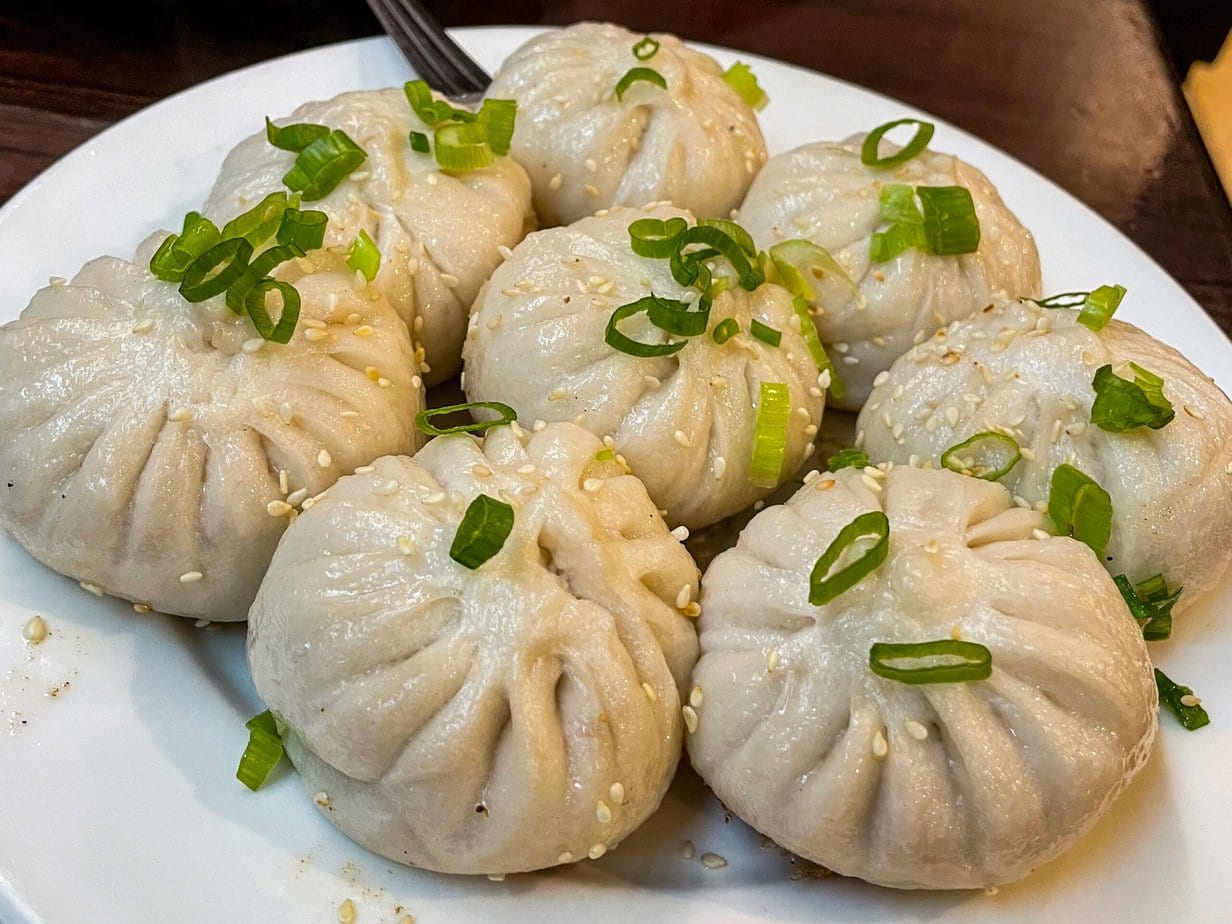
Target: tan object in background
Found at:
1208, 90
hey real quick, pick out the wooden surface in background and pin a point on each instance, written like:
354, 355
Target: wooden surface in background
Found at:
1082, 92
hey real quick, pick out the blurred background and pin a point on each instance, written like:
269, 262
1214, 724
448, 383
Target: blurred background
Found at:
1091, 93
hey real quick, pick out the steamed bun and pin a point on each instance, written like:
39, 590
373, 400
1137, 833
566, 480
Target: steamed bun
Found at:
686, 423
941, 785
696, 143
146, 437
439, 233
508, 718
823, 193
1029, 370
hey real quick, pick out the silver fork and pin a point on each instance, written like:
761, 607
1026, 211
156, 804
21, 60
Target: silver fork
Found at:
432, 54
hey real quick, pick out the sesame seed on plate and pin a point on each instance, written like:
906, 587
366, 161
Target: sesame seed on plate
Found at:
713, 861
324, 460
695, 697
92, 588
277, 508
596, 851
690, 718
916, 730
680, 533
603, 814
191, 577
35, 630
686, 850
881, 747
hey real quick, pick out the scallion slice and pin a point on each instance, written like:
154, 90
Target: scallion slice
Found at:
626, 344
1099, 306
364, 255
1151, 604
656, 238
324, 164
1122, 405
859, 548
485, 526
303, 229
801, 264
645, 48
888, 244
254, 304
848, 458
178, 251
1191, 715
749, 273
740, 77
770, 434
725, 330
869, 153
809, 332
636, 74
743, 239
214, 271
946, 660
498, 117
260, 267
1063, 300
463, 146
765, 333
263, 752
423, 420
1080, 508
676, 317
950, 223
294, 137
431, 111
419, 142
261, 222
988, 455
898, 204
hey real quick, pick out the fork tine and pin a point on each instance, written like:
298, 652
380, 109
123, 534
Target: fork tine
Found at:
428, 49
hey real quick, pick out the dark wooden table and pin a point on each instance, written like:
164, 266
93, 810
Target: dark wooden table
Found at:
1082, 91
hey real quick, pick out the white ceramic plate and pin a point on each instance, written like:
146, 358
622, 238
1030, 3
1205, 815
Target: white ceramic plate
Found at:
119, 735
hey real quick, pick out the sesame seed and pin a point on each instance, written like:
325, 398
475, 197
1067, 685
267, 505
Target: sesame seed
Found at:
1194, 412
277, 508
596, 851
881, 747
191, 577
720, 466
364, 330
517, 429
35, 630
591, 166
365, 469
419, 321
951, 415
917, 731
686, 850
1227, 469
554, 182
566, 856
539, 426
850, 361
650, 692
481, 471
1056, 430
558, 394
690, 718
680, 533
145, 325
773, 659
324, 459
180, 413
713, 861
253, 345
1040, 534
313, 334
692, 610
416, 381
141, 607
504, 251
955, 633
435, 498
286, 413
682, 598
873, 483
651, 381
617, 793
201, 623
449, 280
321, 799
405, 545
1076, 428
580, 419
603, 814
527, 469
1027, 453
592, 485
591, 190
347, 913
695, 697
823, 380
433, 179
297, 496
1190, 700
859, 439
680, 437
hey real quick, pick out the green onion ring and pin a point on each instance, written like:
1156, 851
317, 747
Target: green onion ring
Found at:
263, 752
325, 163
824, 586
260, 267
975, 661
953, 460
770, 434
1099, 306
635, 74
676, 317
254, 303
848, 458
423, 420
294, 137
869, 155
485, 526
215, 270
1121, 405
1080, 508
303, 229
626, 344
725, 330
645, 48
765, 333
655, 238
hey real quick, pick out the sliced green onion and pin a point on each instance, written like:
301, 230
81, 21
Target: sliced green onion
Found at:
898, 204
740, 77
178, 251
364, 255
988, 455
432, 111
770, 434
809, 332
254, 304
293, 137
655, 238
743, 239
676, 317
260, 267
1191, 715
869, 153
801, 263
1080, 508
498, 117
946, 660
423, 420
485, 526
635, 74
888, 244
1121, 405
261, 222
605, 455
950, 223
725, 330
1063, 300
848, 458
859, 548
419, 142
765, 333
303, 229
214, 271
463, 146
324, 164
646, 48
263, 752
626, 344
1099, 306
749, 273
1151, 604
